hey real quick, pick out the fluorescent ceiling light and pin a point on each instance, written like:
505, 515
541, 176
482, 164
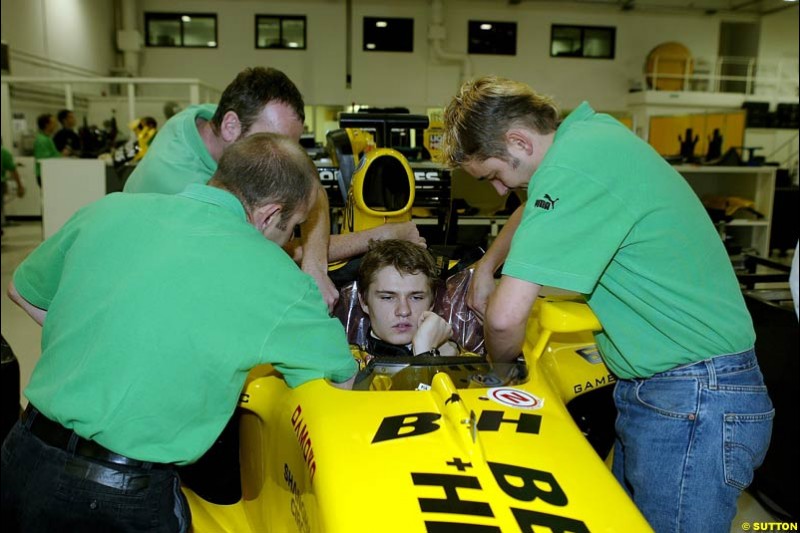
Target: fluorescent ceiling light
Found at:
381, 24
486, 26
370, 46
186, 18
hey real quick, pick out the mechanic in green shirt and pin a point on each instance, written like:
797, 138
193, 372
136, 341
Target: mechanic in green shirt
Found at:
155, 307
187, 148
43, 145
9, 168
607, 217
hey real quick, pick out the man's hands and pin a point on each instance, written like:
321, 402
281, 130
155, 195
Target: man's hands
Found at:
326, 287
506, 317
315, 242
483, 285
480, 288
432, 332
404, 231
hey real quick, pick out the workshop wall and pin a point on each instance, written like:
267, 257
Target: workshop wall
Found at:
79, 35
59, 37
417, 80
779, 35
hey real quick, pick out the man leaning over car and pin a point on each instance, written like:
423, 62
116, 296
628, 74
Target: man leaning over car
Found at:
154, 309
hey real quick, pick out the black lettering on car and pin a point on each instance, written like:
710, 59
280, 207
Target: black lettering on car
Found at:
418, 423
451, 503
526, 423
527, 484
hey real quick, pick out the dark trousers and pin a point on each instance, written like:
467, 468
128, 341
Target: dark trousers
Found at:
49, 489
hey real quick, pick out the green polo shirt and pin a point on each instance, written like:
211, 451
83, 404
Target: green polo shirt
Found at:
176, 157
43, 148
158, 306
608, 217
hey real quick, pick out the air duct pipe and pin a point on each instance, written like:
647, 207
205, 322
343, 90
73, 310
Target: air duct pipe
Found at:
437, 35
129, 40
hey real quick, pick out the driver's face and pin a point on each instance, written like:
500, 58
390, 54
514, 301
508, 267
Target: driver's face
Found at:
395, 302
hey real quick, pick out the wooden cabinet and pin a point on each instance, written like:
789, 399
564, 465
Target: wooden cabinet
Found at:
751, 183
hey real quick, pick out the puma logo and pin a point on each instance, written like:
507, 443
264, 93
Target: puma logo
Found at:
547, 203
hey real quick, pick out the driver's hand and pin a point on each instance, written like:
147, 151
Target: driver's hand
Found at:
480, 288
432, 332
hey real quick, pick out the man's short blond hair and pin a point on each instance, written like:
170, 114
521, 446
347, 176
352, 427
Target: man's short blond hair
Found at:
478, 117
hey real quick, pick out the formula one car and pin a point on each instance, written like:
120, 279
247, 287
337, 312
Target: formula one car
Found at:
436, 444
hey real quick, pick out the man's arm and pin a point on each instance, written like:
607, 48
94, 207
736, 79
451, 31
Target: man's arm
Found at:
315, 237
482, 284
346, 385
353, 244
20, 186
36, 313
506, 318
348, 245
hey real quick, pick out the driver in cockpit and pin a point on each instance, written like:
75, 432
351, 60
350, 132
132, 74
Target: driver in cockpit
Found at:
396, 284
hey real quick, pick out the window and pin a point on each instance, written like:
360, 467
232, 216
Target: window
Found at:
187, 30
499, 38
281, 31
595, 42
383, 34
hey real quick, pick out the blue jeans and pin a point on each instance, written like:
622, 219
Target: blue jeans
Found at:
47, 489
688, 440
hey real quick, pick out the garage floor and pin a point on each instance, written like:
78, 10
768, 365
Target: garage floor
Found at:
24, 336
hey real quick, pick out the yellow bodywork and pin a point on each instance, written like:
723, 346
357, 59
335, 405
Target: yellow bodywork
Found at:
358, 214
458, 456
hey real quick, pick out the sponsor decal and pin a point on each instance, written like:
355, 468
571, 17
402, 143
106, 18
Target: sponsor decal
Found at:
296, 506
547, 202
415, 424
449, 501
597, 383
427, 175
517, 398
304, 440
463, 498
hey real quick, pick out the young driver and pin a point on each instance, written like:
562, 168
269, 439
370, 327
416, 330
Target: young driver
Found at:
396, 281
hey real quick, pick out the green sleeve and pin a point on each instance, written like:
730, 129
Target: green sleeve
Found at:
38, 277
571, 229
308, 344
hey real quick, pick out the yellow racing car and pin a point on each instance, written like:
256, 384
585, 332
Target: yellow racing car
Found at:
433, 444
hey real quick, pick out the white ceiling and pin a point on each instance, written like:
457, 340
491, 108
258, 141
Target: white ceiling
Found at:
710, 7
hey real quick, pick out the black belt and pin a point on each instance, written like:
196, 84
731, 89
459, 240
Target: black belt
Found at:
56, 435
